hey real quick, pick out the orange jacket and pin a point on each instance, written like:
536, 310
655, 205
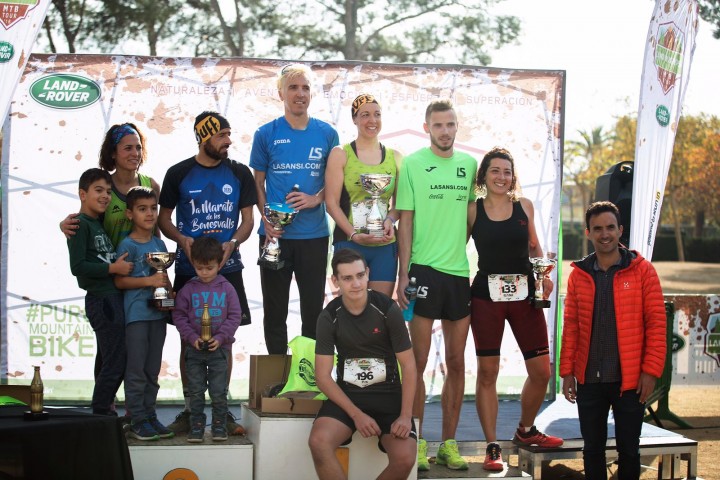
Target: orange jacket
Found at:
640, 318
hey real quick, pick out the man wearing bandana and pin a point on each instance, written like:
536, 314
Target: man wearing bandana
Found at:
288, 151
214, 196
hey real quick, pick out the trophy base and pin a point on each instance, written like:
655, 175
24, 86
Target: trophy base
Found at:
162, 303
540, 303
271, 265
35, 416
204, 346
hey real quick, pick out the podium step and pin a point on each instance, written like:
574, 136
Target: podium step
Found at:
474, 471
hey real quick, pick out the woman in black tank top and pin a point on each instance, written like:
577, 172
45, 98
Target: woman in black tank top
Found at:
502, 227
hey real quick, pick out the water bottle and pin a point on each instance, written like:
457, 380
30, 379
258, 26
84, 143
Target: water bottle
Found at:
411, 294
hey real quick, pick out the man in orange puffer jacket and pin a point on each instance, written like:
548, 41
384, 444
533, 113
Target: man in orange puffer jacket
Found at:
613, 342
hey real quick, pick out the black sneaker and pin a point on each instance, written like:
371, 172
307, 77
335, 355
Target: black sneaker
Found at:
181, 423
234, 428
162, 430
197, 431
143, 431
219, 431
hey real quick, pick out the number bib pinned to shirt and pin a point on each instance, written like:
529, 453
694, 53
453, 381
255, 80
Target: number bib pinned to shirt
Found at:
508, 287
362, 372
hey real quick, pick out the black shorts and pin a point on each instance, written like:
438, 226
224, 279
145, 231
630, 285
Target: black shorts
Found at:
440, 295
383, 407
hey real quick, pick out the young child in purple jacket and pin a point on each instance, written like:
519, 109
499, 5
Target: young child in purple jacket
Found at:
207, 364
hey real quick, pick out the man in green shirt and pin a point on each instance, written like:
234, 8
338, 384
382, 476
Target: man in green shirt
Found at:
434, 190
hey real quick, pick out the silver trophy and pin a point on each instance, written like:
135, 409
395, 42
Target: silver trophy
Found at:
280, 215
542, 266
375, 184
161, 261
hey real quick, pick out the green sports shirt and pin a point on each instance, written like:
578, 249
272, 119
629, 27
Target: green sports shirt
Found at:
438, 191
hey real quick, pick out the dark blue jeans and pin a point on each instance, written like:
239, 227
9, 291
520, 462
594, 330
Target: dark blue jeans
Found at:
207, 371
107, 318
594, 401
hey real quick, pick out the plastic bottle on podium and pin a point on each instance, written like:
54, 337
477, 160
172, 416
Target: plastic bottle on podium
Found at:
411, 294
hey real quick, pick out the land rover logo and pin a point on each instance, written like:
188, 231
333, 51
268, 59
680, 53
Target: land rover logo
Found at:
64, 91
6, 52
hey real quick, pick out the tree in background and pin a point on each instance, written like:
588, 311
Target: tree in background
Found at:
710, 12
691, 190
382, 30
396, 30
584, 162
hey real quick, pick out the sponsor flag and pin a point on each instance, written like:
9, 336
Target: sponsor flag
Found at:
20, 21
668, 55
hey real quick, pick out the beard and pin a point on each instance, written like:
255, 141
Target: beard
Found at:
442, 148
213, 152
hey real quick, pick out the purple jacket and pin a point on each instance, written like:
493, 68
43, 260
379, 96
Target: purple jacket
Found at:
223, 304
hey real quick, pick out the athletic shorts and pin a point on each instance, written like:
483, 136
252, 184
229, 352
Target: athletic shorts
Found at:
235, 279
383, 407
527, 322
382, 261
440, 295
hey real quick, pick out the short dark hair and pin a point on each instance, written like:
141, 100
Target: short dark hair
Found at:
109, 145
139, 193
92, 175
441, 105
601, 207
344, 256
206, 249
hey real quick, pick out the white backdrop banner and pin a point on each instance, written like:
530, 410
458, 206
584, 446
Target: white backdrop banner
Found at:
20, 21
666, 71
65, 103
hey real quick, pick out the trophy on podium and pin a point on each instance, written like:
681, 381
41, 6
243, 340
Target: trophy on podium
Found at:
375, 184
161, 261
542, 266
36, 411
279, 215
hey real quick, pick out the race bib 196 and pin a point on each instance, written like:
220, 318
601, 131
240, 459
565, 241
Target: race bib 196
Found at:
362, 372
508, 287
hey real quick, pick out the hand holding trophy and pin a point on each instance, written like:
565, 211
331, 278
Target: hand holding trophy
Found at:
375, 184
161, 261
279, 215
542, 266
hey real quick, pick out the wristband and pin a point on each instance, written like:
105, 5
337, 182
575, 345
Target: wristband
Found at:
391, 219
351, 236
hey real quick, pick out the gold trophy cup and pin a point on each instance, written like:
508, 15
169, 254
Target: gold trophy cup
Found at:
161, 261
375, 184
279, 215
542, 266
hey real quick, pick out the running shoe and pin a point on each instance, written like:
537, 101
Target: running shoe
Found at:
536, 437
449, 456
162, 430
493, 458
197, 431
181, 423
219, 431
234, 428
143, 431
423, 465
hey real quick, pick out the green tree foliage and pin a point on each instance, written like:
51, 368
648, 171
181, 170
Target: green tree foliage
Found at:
395, 30
585, 161
383, 30
710, 12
